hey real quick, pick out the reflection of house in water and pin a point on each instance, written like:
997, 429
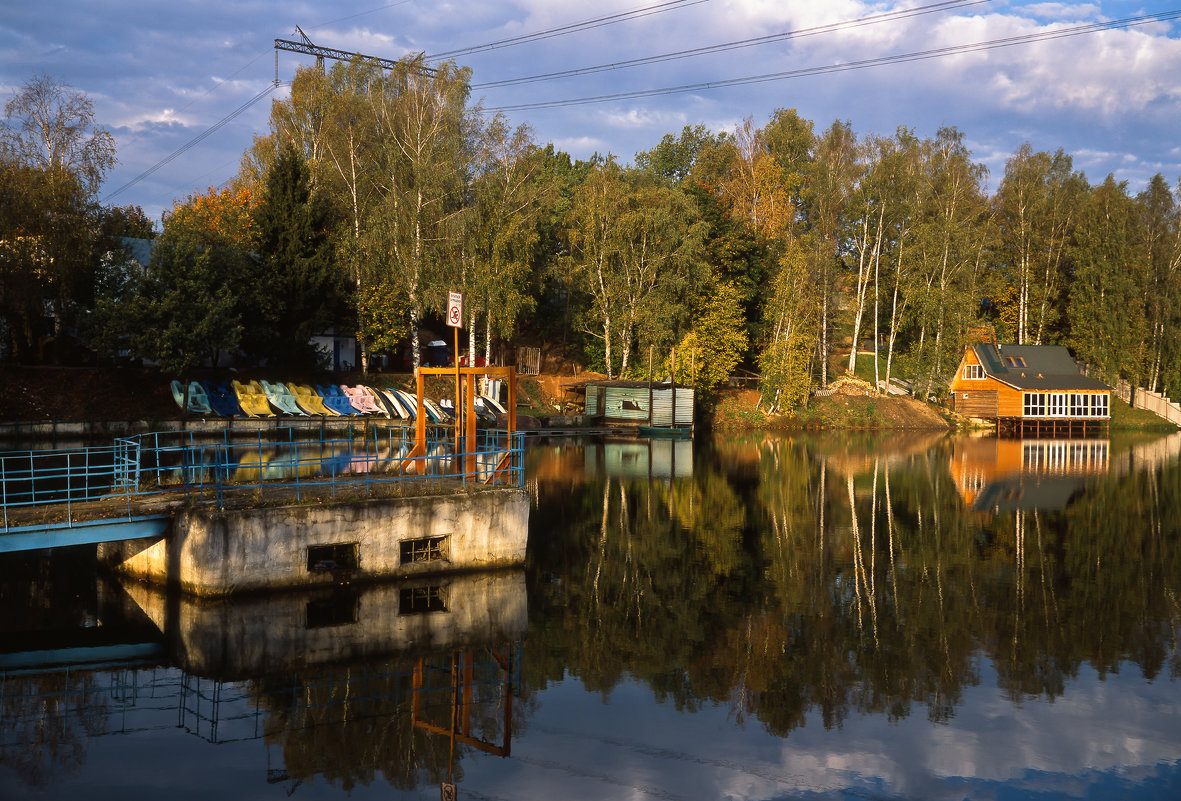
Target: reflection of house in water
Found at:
1005, 474
995, 474
639, 459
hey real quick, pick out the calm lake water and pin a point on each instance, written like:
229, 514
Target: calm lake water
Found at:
749, 617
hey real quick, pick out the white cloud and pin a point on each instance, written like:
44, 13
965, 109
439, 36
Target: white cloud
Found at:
1113, 91
1071, 11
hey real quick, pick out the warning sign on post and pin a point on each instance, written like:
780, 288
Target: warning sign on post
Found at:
455, 309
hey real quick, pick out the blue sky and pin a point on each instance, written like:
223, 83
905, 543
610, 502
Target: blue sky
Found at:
162, 74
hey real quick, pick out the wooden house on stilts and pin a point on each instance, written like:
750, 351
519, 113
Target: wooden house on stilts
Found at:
1034, 390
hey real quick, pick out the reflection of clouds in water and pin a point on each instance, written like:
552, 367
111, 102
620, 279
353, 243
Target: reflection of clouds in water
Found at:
1106, 738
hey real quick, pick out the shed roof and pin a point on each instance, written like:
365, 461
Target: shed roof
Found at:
1033, 367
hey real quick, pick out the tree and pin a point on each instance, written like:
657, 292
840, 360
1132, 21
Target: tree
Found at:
1159, 232
674, 158
715, 343
52, 161
829, 186
423, 165
507, 201
634, 247
183, 313
185, 307
49, 252
293, 288
50, 127
1037, 206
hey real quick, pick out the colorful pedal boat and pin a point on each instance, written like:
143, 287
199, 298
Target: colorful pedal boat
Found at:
310, 401
252, 399
335, 400
198, 401
223, 399
281, 398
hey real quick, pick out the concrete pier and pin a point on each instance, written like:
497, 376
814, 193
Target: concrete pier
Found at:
213, 553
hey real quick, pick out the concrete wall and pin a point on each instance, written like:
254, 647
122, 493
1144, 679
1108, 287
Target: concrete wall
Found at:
216, 553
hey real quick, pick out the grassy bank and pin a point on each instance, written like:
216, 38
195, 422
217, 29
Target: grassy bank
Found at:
1125, 418
737, 411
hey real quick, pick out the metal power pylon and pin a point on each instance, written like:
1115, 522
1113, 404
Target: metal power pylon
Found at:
308, 47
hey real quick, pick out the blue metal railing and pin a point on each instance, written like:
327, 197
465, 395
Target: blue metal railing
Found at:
212, 467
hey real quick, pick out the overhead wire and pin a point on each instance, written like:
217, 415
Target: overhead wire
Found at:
562, 30
534, 36
217, 126
899, 58
947, 5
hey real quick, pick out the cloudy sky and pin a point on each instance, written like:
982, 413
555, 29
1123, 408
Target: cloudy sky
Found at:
175, 81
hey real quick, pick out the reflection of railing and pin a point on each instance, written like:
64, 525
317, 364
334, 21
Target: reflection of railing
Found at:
159, 699
117, 481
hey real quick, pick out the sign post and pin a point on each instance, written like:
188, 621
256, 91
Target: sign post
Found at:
455, 320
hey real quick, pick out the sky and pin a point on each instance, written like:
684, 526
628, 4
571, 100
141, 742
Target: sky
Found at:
185, 86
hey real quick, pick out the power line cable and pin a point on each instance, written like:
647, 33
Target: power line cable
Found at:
217, 126
538, 35
320, 25
852, 65
948, 5
549, 33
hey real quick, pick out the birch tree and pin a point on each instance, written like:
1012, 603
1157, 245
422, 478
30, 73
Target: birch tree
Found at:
1037, 206
633, 244
424, 163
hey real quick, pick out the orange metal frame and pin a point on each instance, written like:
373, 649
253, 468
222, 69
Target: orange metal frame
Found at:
465, 423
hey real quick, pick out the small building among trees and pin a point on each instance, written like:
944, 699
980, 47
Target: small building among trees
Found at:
1029, 389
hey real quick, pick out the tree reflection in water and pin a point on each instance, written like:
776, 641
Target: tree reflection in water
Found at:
783, 580
795, 575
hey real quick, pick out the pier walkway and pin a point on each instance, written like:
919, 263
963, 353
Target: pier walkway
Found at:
132, 487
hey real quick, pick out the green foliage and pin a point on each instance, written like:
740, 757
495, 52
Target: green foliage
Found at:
292, 288
179, 315
382, 309
675, 157
715, 343
50, 252
634, 249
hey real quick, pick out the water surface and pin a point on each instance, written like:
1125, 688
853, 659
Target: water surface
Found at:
755, 617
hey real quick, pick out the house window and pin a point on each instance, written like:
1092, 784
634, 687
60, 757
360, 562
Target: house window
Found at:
973, 372
1035, 404
1056, 404
1015, 361
1079, 405
1099, 405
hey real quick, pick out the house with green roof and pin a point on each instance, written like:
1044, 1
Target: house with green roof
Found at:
1029, 388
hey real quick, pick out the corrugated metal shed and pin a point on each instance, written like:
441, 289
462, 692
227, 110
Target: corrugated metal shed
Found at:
640, 403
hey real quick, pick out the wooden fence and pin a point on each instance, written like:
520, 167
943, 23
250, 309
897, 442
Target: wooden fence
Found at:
528, 361
1140, 398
